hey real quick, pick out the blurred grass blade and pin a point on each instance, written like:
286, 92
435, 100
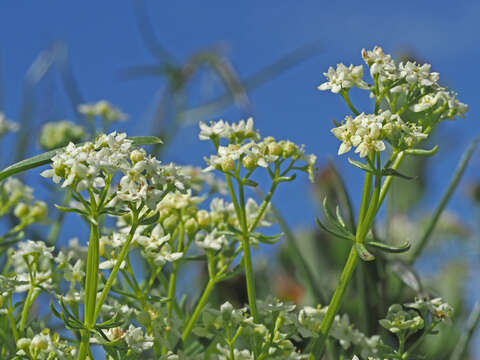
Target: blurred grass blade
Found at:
407, 274
264, 75
297, 256
472, 323
148, 34
70, 84
46, 157
344, 195
417, 250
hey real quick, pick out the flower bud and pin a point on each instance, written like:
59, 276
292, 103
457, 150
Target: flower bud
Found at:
21, 210
249, 162
170, 223
288, 149
203, 218
39, 210
39, 343
228, 164
136, 156
274, 149
163, 214
191, 226
23, 343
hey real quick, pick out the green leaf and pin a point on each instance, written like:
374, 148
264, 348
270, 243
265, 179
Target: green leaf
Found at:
362, 251
272, 239
68, 209
333, 233
46, 157
286, 178
422, 152
364, 166
393, 172
389, 248
249, 182
150, 220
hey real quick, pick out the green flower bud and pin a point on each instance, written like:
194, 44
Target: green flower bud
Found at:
203, 218
289, 149
39, 210
136, 156
21, 210
274, 149
23, 344
191, 226
228, 164
170, 223
39, 343
163, 214
249, 162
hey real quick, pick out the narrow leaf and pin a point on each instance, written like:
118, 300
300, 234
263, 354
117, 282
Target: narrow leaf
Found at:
393, 172
422, 152
362, 251
363, 166
389, 248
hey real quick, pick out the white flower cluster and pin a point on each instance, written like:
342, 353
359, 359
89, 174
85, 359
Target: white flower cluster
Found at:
234, 132
251, 154
45, 346
86, 166
6, 125
57, 134
28, 256
102, 108
343, 78
367, 132
408, 89
342, 330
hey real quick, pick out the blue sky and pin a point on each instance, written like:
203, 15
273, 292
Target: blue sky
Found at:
102, 38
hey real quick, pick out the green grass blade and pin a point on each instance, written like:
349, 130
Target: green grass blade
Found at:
417, 250
472, 323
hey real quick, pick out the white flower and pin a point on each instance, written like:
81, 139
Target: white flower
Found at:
415, 73
380, 64
102, 108
343, 78
212, 240
218, 129
136, 340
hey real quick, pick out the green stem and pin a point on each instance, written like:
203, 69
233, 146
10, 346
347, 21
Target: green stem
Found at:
319, 343
198, 309
26, 308
263, 207
388, 179
345, 96
13, 325
117, 265
247, 263
91, 281
173, 276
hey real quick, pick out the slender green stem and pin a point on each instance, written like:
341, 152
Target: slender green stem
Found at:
13, 325
319, 344
26, 307
263, 206
117, 265
388, 179
247, 257
173, 276
345, 96
91, 281
198, 309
